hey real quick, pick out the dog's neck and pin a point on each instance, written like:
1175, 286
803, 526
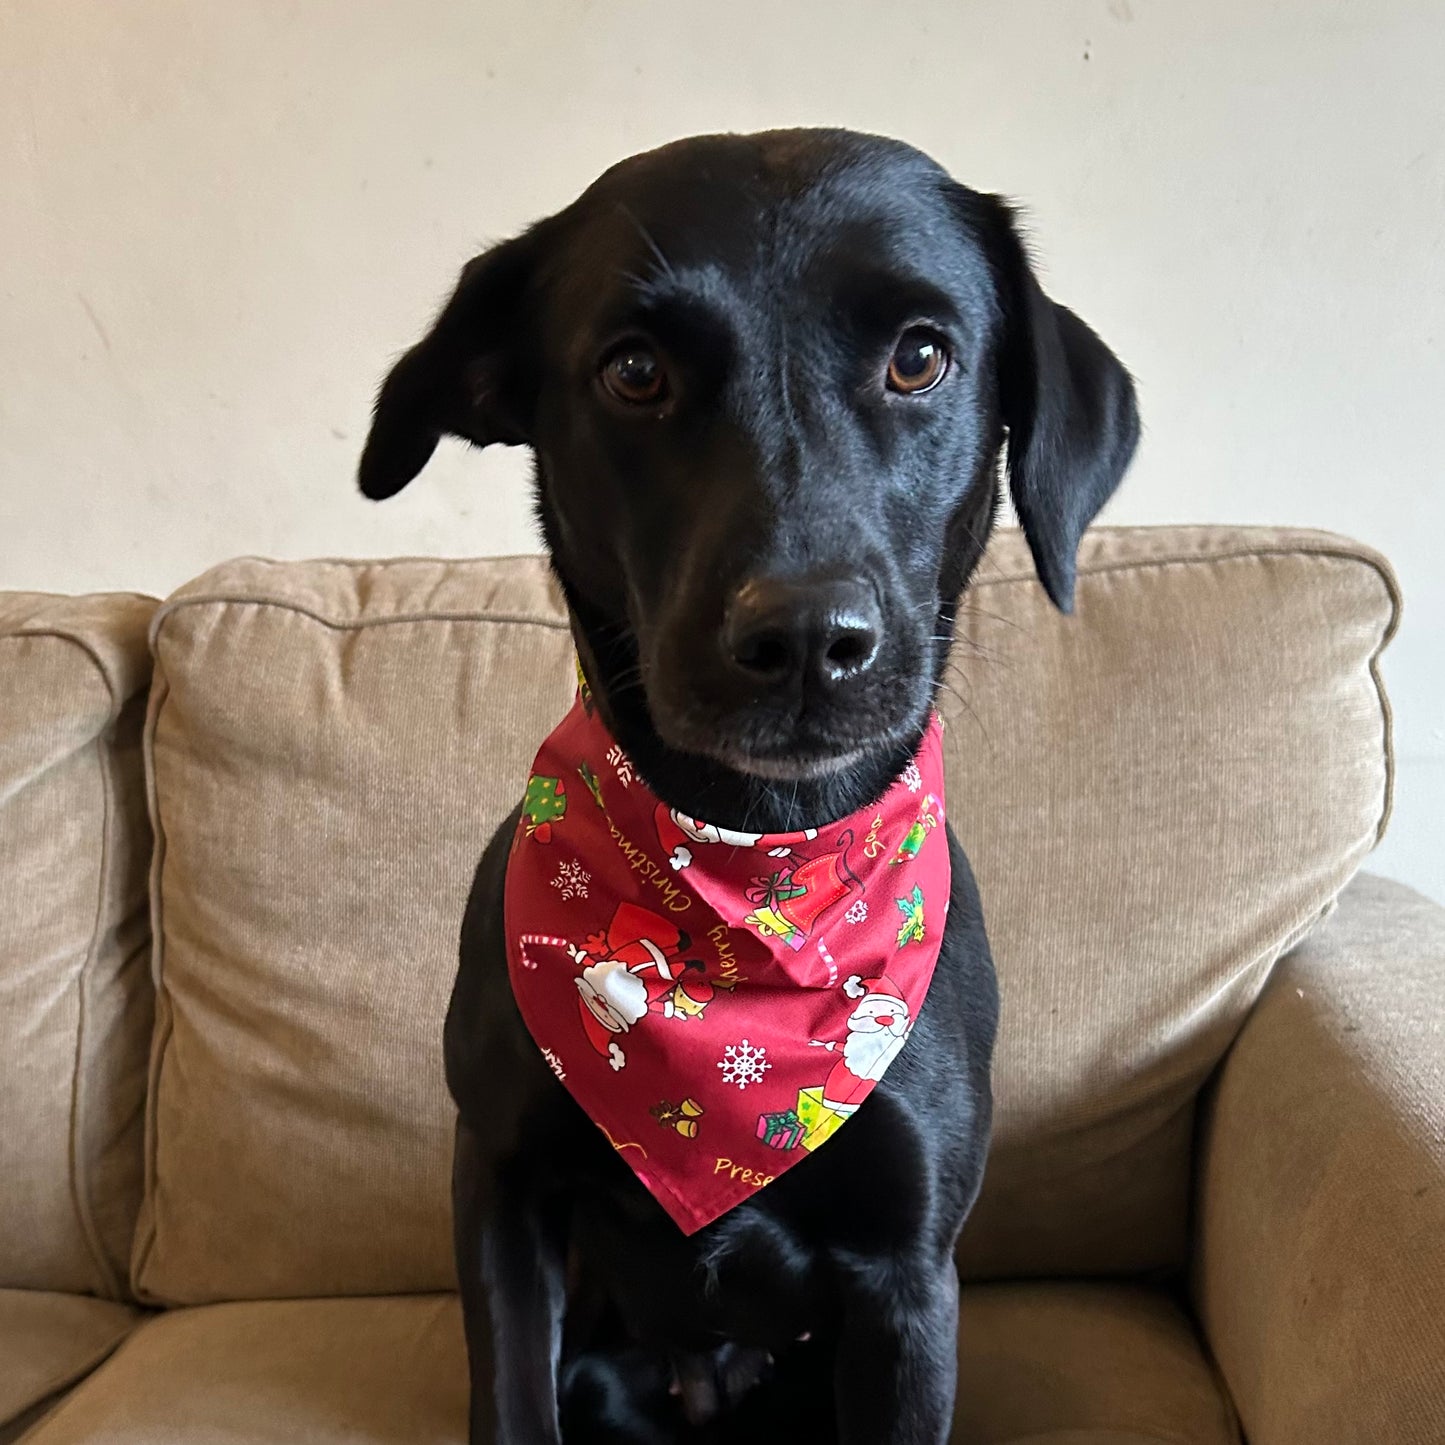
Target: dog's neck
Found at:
704, 787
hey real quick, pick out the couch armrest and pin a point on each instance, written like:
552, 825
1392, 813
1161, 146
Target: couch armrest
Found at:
1320, 1265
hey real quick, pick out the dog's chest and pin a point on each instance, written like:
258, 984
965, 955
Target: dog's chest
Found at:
760, 1286
766, 1273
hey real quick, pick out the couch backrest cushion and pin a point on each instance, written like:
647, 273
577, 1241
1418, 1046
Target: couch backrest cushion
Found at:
75, 996
1158, 795
331, 745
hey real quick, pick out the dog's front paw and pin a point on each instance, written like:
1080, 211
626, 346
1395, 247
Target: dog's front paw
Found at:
713, 1382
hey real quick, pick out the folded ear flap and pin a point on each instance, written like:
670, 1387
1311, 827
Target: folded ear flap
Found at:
1069, 407
468, 377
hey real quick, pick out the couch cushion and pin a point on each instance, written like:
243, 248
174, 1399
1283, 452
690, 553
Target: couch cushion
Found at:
322, 1371
47, 1342
75, 997
1159, 798
1083, 1364
1050, 1365
331, 746
1158, 794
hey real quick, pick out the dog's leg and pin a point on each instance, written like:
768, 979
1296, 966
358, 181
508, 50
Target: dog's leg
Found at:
511, 1265
897, 1361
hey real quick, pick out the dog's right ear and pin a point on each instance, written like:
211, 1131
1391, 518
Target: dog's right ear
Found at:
467, 377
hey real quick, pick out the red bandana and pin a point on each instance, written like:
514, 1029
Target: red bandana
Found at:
719, 1003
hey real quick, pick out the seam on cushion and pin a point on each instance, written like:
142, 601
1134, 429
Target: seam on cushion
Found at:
79, 1170
1328, 542
78, 642
1129, 1436
1338, 552
53, 1384
1216, 1373
356, 564
1387, 712
145, 1233
79, 1183
351, 624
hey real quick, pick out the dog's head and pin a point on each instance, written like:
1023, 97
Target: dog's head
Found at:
767, 380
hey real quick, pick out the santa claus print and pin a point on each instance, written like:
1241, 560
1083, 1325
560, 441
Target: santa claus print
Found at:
679, 834
878, 1028
635, 968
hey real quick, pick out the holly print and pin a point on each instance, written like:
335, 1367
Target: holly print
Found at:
593, 786
584, 690
911, 908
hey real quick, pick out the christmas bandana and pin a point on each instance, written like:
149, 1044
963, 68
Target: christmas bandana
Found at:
720, 1003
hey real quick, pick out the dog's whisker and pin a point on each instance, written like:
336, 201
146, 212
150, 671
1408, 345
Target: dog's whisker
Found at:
664, 266
983, 654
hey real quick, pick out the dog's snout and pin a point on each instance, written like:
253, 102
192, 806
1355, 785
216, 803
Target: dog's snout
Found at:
780, 632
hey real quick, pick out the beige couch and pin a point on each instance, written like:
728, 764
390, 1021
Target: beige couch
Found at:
1216, 1204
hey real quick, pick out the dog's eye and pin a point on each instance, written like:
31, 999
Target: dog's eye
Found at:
633, 374
918, 363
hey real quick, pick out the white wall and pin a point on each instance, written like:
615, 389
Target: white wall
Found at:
219, 220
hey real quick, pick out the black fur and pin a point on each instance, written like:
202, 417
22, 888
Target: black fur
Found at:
772, 276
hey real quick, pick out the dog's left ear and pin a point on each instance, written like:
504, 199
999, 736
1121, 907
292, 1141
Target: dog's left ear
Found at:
1067, 401
468, 376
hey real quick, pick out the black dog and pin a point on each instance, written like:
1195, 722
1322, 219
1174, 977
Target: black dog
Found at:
767, 380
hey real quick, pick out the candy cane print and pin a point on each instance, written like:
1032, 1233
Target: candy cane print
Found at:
828, 959
545, 940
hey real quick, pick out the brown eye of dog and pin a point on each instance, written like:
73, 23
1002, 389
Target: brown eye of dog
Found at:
918, 363
634, 375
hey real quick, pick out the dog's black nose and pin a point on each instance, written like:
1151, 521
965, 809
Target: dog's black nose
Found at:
822, 632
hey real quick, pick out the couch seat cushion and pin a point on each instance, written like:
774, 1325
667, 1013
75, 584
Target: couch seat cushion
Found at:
1083, 1364
390, 1368
1043, 1364
47, 1342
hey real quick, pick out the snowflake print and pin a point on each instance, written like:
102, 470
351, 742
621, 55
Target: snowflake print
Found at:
554, 1063
912, 778
743, 1064
857, 912
621, 764
571, 880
